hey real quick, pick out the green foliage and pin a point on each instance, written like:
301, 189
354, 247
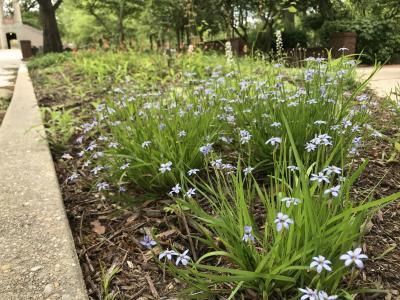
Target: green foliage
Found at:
154, 98
192, 116
60, 126
48, 60
377, 39
107, 275
277, 264
294, 37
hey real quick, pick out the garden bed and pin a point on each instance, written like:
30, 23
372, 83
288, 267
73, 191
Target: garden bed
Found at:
108, 229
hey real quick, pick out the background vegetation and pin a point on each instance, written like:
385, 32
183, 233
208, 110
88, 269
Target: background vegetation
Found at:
160, 24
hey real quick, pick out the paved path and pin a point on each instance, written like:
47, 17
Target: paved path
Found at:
9, 63
384, 81
37, 253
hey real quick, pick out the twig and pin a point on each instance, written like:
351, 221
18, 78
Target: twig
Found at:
190, 237
152, 287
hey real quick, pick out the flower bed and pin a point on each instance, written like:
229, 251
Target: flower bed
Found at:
254, 164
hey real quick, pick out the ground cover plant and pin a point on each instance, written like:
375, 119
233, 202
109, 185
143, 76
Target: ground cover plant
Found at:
258, 161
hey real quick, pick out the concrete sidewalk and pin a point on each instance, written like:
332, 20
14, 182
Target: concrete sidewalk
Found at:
384, 81
37, 253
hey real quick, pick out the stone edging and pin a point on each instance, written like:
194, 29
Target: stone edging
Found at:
37, 252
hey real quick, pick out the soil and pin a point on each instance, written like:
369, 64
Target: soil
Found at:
107, 234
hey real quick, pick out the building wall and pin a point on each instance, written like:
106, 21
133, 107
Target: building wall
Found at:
23, 32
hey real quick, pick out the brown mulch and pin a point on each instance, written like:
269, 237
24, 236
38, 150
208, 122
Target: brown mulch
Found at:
382, 242
107, 234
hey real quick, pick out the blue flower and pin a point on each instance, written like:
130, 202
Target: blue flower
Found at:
148, 242
247, 234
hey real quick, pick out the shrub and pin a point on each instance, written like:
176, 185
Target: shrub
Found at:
377, 39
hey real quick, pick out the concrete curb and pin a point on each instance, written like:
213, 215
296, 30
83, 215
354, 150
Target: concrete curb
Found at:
37, 252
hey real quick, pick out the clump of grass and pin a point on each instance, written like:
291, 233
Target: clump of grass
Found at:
241, 229
233, 113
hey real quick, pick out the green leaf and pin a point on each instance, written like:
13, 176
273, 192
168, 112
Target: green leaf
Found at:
397, 146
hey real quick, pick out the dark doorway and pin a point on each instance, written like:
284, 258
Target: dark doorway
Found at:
10, 36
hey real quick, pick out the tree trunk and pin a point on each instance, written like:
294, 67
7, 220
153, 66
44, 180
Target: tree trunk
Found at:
178, 39
121, 29
51, 35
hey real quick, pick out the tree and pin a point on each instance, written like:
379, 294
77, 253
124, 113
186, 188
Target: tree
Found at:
242, 15
51, 34
112, 15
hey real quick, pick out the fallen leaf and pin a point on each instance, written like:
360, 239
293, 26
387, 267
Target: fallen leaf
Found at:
97, 227
130, 264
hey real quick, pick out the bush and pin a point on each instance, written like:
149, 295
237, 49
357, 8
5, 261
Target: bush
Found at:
294, 38
377, 39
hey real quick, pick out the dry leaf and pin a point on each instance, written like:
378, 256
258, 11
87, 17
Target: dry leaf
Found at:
97, 227
130, 264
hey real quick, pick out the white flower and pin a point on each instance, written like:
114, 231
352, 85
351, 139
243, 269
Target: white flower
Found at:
376, 134
192, 172
319, 122
311, 101
323, 139
333, 190
217, 163
165, 167
124, 166
102, 186
309, 294
293, 168
168, 254
227, 140
183, 258
319, 262
245, 136
332, 169
289, 201
324, 296
191, 192
320, 177
206, 149
96, 169
146, 144
247, 234
248, 170
67, 156
182, 133
310, 147
175, 190
113, 145
274, 141
276, 124
354, 257
282, 221
73, 177
346, 123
